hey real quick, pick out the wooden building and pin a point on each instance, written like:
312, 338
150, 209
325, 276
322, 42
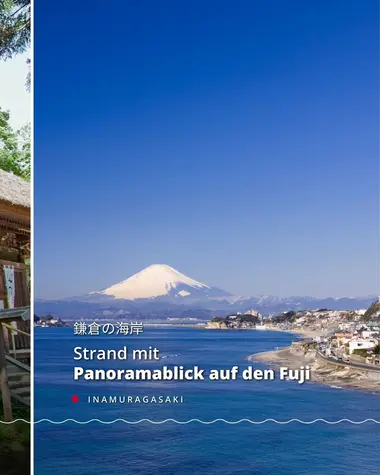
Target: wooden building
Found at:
14, 238
14, 292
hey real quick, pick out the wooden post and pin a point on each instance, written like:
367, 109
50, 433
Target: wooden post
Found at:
4, 388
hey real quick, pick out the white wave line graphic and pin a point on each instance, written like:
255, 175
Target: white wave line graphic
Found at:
14, 422
190, 421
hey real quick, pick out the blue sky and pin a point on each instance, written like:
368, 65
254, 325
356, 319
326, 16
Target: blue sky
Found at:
235, 141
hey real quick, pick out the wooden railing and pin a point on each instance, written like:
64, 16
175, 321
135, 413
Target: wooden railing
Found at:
17, 342
14, 346
4, 387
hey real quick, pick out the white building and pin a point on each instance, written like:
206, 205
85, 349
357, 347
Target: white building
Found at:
362, 344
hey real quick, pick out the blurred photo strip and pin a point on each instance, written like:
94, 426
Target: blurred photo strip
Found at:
16, 324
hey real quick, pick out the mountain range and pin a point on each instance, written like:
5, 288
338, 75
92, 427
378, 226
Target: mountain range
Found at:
159, 292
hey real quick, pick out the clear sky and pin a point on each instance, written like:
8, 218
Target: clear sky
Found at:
13, 94
233, 140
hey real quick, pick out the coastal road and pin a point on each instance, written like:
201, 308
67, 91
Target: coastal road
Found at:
355, 365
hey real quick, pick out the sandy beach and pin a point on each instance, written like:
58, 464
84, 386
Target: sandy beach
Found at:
322, 372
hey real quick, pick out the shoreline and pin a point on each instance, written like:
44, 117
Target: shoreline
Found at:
301, 332
322, 372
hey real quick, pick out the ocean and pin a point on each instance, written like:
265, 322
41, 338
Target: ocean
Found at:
195, 448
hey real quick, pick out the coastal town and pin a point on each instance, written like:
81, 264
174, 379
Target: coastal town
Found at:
342, 348
347, 336
341, 336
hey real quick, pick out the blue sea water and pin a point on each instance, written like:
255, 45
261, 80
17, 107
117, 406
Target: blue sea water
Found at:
196, 449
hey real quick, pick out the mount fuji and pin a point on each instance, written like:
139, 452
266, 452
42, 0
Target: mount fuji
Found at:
159, 281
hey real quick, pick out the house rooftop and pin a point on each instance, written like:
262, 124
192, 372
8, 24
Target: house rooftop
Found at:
14, 190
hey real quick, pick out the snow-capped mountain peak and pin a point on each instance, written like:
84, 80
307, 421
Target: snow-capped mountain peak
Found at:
155, 281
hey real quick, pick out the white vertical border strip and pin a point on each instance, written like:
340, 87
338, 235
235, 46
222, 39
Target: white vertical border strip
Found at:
32, 241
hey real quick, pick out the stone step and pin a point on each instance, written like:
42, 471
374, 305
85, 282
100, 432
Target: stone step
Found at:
24, 399
21, 394
19, 384
18, 376
22, 390
19, 379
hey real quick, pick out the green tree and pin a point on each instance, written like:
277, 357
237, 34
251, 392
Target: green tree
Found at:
14, 27
14, 148
15, 30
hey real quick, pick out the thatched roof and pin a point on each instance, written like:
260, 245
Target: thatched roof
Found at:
15, 190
